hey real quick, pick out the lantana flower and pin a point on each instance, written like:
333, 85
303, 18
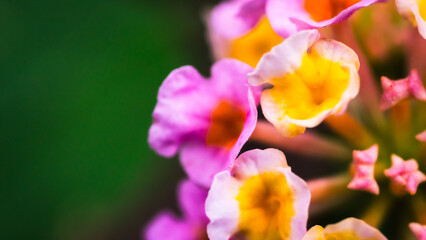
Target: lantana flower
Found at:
311, 79
290, 16
260, 199
207, 120
192, 224
415, 12
241, 30
348, 229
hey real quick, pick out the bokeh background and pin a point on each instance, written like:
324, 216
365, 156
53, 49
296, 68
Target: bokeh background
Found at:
78, 85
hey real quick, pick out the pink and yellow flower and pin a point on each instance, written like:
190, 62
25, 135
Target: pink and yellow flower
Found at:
207, 120
311, 79
261, 199
415, 12
192, 225
348, 229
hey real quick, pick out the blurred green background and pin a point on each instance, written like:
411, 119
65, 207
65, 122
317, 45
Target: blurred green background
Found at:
78, 85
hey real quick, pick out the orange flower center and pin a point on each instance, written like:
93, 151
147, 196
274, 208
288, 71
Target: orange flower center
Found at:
227, 122
326, 9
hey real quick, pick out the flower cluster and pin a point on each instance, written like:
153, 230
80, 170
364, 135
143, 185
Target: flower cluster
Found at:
302, 64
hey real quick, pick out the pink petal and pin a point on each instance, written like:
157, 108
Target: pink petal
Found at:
222, 207
415, 86
257, 161
232, 19
177, 116
418, 230
289, 16
202, 162
421, 136
393, 92
192, 199
176, 229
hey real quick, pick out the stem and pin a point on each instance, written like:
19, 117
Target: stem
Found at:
350, 129
375, 214
307, 144
324, 189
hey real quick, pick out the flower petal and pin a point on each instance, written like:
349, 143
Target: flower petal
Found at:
355, 226
222, 207
192, 199
283, 58
421, 136
289, 16
418, 230
257, 161
302, 197
177, 115
176, 229
234, 18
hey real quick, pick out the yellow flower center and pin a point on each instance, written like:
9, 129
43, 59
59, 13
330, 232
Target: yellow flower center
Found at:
250, 47
316, 86
326, 9
227, 123
266, 206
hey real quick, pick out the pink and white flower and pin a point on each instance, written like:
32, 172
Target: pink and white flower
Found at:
259, 199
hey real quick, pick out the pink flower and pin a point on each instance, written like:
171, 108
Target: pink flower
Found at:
405, 173
260, 199
290, 16
208, 121
396, 91
192, 225
364, 170
418, 230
